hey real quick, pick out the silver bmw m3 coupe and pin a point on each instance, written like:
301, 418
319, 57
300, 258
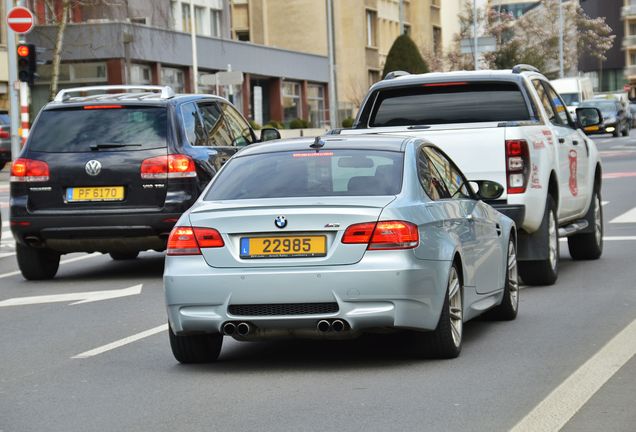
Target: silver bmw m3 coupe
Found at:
335, 236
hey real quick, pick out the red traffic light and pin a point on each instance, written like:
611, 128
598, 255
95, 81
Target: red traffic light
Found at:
23, 50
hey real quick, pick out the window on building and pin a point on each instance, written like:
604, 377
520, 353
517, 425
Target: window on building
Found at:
374, 77
372, 18
291, 101
243, 35
632, 58
198, 20
140, 20
437, 40
140, 74
215, 23
407, 29
173, 77
316, 102
185, 18
632, 29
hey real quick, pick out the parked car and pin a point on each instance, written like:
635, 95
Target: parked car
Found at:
112, 173
509, 126
615, 118
334, 237
5, 139
632, 110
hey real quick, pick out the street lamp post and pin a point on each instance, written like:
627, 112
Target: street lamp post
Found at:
561, 72
475, 34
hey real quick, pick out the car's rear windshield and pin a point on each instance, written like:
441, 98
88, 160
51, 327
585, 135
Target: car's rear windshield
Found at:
449, 102
309, 173
609, 107
103, 129
4, 118
570, 98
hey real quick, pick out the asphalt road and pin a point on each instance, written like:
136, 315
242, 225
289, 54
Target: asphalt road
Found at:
505, 369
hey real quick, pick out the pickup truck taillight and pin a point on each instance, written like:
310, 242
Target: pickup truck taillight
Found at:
170, 166
29, 170
517, 165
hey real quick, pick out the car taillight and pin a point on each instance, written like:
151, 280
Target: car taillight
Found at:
4, 134
190, 240
170, 166
29, 170
517, 165
383, 235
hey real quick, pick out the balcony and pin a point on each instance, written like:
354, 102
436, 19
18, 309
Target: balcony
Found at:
630, 72
629, 42
628, 11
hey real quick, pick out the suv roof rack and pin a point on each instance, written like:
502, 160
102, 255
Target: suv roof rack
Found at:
395, 74
165, 92
524, 68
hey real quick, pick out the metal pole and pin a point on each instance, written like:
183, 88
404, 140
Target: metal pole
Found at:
475, 34
561, 74
333, 103
401, 17
14, 105
195, 66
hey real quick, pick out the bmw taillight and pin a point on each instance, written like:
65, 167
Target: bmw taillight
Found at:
383, 235
4, 134
190, 240
29, 170
170, 166
517, 165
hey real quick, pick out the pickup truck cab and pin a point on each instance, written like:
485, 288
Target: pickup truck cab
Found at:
511, 127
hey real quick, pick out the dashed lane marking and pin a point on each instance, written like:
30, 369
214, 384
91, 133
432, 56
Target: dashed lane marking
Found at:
553, 412
121, 342
616, 175
604, 203
611, 238
627, 217
68, 261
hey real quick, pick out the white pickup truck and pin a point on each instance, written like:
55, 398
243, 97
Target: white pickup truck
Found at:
512, 127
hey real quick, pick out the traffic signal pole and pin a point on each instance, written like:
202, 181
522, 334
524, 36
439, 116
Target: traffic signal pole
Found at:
13, 87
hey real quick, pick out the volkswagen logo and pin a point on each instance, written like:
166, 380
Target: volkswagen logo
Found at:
93, 167
280, 221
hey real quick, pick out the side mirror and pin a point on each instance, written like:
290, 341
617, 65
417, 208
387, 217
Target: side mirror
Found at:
269, 134
486, 189
589, 119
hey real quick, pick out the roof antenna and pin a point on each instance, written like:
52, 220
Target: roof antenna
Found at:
317, 144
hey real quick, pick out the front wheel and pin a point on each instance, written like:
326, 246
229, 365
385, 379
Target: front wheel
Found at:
507, 310
197, 348
546, 271
37, 264
626, 130
589, 246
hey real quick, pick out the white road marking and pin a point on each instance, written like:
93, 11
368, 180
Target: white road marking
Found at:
604, 203
83, 257
610, 238
5, 223
75, 298
553, 412
627, 217
7, 254
121, 342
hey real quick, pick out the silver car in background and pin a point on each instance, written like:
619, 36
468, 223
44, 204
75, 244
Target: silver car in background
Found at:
337, 236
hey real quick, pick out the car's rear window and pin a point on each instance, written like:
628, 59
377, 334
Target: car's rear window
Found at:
4, 119
453, 102
106, 129
309, 173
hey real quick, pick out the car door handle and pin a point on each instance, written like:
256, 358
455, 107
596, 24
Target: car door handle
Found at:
498, 229
561, 140
575, 142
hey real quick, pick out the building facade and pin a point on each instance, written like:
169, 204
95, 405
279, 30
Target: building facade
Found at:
4, 62
628, 14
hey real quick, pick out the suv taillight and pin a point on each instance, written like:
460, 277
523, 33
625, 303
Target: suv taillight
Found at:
170, 166
383, 235
4, 134
29, 170
190, 240
517, 165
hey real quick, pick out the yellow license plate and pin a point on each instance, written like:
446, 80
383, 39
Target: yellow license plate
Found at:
283, 247
102, 193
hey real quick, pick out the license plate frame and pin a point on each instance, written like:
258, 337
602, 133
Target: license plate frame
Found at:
254, 247
94, 194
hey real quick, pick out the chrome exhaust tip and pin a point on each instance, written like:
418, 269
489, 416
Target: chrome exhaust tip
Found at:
338, 326
243, 329
229, 329
323, 326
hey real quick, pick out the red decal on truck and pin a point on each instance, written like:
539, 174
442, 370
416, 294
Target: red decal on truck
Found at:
548, 134
574, 189
535, 183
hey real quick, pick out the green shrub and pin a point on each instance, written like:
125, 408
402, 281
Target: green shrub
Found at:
298, 124
404, 55
255, 125
348, 122
274, 124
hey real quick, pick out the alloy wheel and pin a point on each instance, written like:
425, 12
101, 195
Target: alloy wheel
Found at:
553, 238
513, 279
455, 307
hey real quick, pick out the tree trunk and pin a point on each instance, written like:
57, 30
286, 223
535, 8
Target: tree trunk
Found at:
57, 51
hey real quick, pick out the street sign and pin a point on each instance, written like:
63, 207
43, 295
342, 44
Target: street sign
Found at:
222, 78
20, 19
484, 44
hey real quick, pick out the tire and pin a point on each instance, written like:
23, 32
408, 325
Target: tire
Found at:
121, 256
37, 264
507, 310
589, 246
199, 348
616, 133
544, 272
446, 340
626, 130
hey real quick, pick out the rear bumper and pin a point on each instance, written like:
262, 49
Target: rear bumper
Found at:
516, 212
383, 290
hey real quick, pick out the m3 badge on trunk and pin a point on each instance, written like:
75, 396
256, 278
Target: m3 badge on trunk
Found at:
93, 167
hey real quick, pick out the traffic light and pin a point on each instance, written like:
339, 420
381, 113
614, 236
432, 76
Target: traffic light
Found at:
27, 63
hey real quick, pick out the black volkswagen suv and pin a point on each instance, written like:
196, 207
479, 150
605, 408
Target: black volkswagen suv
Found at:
112, 172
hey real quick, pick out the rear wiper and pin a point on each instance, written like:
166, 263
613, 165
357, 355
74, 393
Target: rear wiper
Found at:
111, 145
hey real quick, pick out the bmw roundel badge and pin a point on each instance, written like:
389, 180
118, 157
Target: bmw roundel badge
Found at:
280, 221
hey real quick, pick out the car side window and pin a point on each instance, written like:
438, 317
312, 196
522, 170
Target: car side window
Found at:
453, 179
217, 132
192, 124
430, 179
559, 106
545, 101
241, 130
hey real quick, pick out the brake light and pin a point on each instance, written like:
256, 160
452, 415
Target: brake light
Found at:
445, 84
383, 235
517, 165
94, 107
190, 240
4, 134
170, 166
29, 170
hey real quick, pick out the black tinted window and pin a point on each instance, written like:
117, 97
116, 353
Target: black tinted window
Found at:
4, 118
307, 173
439, 103
112, 129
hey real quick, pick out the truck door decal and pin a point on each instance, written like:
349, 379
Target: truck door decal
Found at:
548, 134
574, 189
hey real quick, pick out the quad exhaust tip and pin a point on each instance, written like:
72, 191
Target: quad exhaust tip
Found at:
337, 326
323, 326
229, 329
243, 329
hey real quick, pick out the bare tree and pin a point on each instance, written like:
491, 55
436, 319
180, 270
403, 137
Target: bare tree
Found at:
62, 20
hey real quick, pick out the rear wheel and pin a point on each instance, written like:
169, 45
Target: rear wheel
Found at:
544, 272
616, 133
199, 348
589, 246
120, 256
509, 306
37, 264
626, 130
